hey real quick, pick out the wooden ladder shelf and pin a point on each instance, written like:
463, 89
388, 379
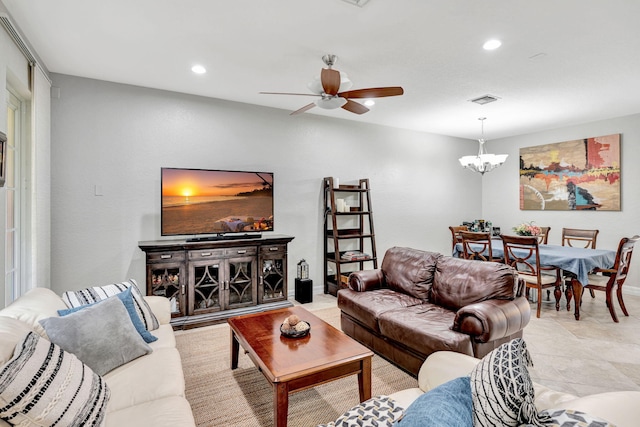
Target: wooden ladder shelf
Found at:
349, 237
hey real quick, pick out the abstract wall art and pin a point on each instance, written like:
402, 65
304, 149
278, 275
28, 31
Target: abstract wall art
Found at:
573, 175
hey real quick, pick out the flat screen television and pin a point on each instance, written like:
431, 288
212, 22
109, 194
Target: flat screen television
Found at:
200, 202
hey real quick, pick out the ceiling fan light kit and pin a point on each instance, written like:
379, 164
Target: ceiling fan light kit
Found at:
483, 161
331, 103
333, 89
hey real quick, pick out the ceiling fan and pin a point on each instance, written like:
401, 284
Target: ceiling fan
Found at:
333, 89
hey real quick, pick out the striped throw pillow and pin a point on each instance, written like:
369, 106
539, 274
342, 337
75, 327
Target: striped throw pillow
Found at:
44, 385
99, 293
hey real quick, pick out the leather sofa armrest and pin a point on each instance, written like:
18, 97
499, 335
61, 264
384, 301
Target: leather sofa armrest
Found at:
493, 319
366, 280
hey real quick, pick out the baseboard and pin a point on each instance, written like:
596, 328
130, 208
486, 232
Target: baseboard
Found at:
631, 290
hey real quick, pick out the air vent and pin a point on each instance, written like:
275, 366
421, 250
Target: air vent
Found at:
485, 99
358, 3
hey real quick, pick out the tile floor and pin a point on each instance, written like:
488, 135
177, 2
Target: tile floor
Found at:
583, 357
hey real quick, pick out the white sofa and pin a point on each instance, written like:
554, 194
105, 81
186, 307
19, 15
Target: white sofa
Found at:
148, 391
620, 408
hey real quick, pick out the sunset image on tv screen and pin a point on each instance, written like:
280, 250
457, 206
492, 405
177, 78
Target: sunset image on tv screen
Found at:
197, 201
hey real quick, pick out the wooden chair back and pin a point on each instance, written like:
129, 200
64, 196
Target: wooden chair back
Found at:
523, 254
543, 237
476, 245
579, 238
455, 235
623, 258
607, 280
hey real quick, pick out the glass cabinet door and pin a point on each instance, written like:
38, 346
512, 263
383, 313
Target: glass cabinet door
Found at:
273, 275
166, 282
207, 285
241, 283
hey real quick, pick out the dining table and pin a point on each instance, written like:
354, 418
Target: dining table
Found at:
579, 261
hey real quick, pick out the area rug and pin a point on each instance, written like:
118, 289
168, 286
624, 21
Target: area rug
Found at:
243, 397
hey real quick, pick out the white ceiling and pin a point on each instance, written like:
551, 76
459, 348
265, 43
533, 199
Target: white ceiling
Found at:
561, 62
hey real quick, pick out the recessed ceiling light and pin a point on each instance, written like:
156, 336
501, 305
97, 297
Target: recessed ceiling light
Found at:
198, 69
369, 103
492, 44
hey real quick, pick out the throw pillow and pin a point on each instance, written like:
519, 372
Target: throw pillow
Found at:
571, 418
502, 390
127, 300
446, 405
378, 411
99, 293
44, 385
102, 336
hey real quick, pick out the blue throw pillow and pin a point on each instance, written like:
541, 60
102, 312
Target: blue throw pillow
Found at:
446, 405
127, 300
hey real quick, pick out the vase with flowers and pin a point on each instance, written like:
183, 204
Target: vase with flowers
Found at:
527, 229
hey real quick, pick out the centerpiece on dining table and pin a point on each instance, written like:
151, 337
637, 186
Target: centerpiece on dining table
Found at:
527, 229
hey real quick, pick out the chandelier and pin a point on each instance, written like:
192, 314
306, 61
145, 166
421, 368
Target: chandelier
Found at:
483, 162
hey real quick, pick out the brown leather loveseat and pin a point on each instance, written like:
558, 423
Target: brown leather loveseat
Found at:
420, 302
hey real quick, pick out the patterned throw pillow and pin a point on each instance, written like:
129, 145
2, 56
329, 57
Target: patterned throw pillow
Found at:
501, 389
571, 418
379, 411
44, 385
99, 293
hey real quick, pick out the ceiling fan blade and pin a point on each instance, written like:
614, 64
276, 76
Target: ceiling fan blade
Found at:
330, 81
303, 109
374, 92
355, 107
288, 93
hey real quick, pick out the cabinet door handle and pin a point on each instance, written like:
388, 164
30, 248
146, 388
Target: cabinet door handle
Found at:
205, 254
273, 249
262, 280
183, 289
165, 256
243, 251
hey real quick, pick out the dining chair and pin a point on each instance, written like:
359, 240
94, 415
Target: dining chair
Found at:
579, 238
607, 279
523, 254
477, 245
543, 237
455, 236
576, 237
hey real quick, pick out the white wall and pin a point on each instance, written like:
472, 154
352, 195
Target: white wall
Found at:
118, 137
501, 195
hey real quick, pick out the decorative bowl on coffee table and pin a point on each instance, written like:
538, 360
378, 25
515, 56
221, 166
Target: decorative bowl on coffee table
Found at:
292, 333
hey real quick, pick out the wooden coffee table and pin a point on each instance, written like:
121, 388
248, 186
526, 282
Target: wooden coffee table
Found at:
294, 364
